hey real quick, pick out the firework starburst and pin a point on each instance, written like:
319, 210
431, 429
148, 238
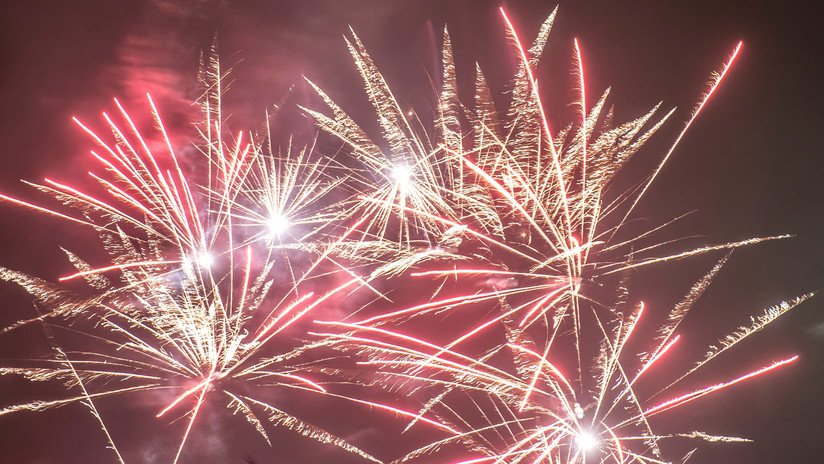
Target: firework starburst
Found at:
490, 225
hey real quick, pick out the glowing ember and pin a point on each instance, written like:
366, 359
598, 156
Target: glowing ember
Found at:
586, 442
205, 259
278, 224
402, 175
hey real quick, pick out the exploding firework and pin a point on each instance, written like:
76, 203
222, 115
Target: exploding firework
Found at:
516, 402
214, 274
520, 209
207, 280
516, 205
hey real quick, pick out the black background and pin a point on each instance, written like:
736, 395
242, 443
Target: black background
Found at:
750, 166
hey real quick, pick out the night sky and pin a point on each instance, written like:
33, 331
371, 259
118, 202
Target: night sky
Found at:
750, 166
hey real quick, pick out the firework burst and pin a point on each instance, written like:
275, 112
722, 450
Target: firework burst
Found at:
214, 273
523, 214
207, 279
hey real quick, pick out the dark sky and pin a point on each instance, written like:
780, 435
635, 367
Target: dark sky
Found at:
751, 165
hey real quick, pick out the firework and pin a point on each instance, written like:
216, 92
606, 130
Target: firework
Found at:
207, 279
538, 412
511, 205
522, 210
215, 272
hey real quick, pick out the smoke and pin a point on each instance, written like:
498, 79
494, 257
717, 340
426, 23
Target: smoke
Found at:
158, 54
